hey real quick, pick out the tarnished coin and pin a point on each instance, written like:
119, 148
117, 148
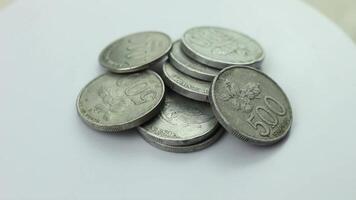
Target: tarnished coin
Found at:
250, 105
182, 121
220, 47
189, 66
185, 85
135, 52
115, 102
186, 149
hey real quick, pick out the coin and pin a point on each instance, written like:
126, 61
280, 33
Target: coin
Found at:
182, 121
185, 85
186, 149
135, 52
220, 47
189, 66
115, 102
250, 105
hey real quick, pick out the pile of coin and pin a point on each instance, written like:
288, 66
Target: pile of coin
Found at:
213, 80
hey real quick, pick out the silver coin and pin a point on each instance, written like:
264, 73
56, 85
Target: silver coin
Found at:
115, 102
185, 85
220, 47
187, 149
250, 105
135, 52
182, 121
189, 66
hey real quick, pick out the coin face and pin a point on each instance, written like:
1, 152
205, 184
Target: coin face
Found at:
250, 105
189, 66
220, 47
182, 121
115, 102
185, 85
135, 52
189, 148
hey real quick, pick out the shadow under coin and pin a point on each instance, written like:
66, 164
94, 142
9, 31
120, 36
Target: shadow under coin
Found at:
116, 143
237, 153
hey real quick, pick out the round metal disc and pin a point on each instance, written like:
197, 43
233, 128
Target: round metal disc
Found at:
220, 47
135, 52
250, 105
182, 121
115, 102
189, 66
186, 149
185, 85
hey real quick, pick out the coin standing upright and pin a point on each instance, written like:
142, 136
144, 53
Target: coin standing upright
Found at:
135, 52
116, 102
221, 47
250, 105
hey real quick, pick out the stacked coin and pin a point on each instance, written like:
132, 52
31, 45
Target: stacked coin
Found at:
208, 65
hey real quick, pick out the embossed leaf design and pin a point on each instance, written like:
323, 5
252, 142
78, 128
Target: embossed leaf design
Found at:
224, 50
109, 104
236, 103
102, 92
107, 116
242, 99
231, 93
251, 90
100, 108
116, 107
246, 104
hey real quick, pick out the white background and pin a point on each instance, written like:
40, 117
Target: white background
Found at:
49, 51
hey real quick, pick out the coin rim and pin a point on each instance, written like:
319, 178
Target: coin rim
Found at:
134, 68
182, 90
127, 125
238, 133
190, 148
216, 63
178, 64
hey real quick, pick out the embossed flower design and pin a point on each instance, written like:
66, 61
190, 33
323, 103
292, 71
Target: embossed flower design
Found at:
242, 98
109, 104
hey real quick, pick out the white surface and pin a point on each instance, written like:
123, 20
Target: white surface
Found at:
49, 51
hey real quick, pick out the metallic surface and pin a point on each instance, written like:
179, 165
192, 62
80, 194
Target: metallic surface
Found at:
189, 66
135, 52
185, 85
182, 121
115, 102
250, 105
220, 47
187, 149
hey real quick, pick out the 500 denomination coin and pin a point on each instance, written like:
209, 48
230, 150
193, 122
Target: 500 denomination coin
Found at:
185, 85
182, 121
115, 102
188, 148
135, 52
221, 47
250, 105
189, 66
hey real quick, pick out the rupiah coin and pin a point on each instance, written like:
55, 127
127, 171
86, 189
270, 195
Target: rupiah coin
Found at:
189, 66
189, 148
116, 102
221, 47
135, 52
250, 105
185, 85
182, 121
